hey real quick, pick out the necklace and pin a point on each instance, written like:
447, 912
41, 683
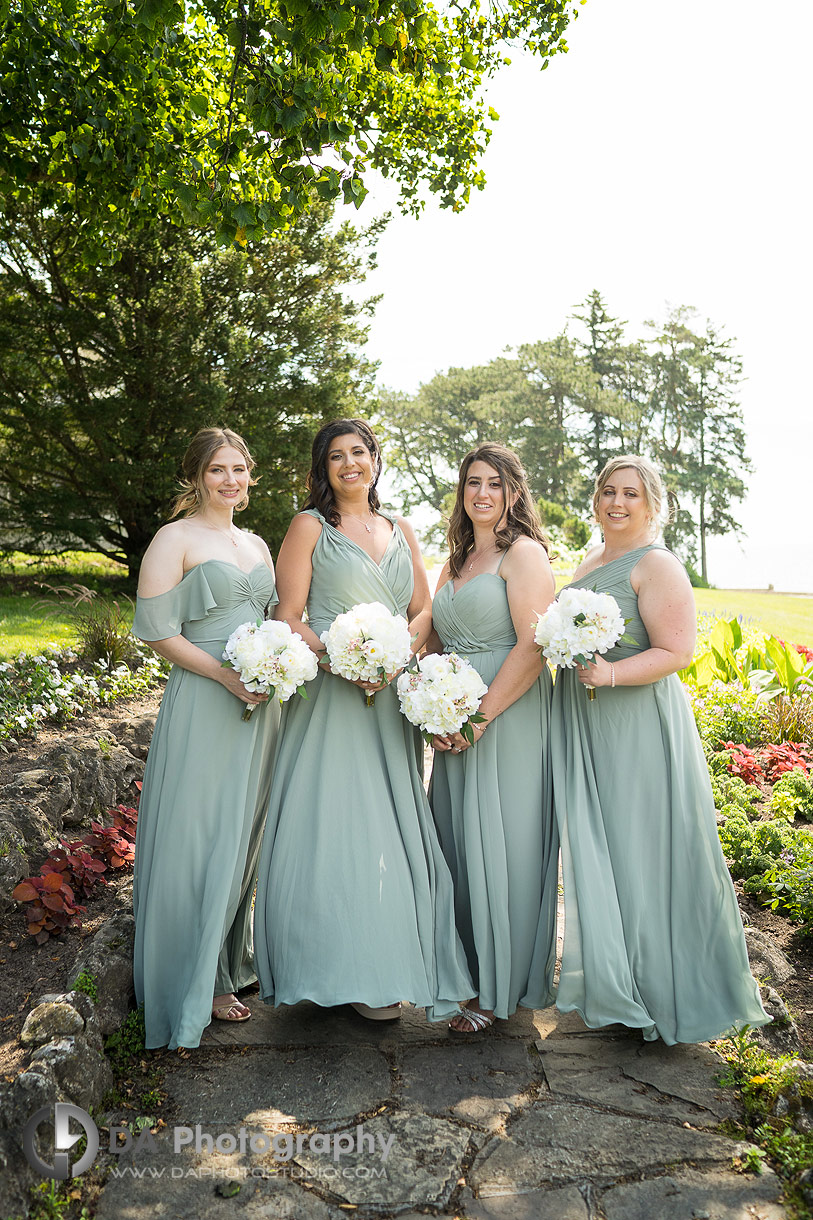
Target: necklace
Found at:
356, 517
229, 532
477, 555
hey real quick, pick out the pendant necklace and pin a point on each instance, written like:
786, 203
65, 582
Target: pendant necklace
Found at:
361, 520
228, 532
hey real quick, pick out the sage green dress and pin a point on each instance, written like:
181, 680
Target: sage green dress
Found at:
354, 899
653, 934
201, 812
492, 806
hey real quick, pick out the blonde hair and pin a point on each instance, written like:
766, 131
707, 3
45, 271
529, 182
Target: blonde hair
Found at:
655, 495
202, 448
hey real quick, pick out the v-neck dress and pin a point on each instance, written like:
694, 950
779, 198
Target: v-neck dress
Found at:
354, 899
493, 809
201, 812
653, 934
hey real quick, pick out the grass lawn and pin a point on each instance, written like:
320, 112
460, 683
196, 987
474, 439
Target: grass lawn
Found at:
26, 622
782, 614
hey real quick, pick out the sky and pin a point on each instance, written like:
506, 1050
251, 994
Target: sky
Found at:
664, 161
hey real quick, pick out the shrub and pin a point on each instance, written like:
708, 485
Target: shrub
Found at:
52, 686
727, 713
776, 760
793, 791
788, 718
732, 794
743, 763
753, 848
790, 882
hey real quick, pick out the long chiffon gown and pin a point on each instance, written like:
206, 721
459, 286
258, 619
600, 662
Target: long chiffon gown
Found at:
201, 813
653, 934
493, 809
354, 900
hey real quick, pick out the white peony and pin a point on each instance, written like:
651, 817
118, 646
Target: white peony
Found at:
270, 659
367, 643
441, 695
579, 624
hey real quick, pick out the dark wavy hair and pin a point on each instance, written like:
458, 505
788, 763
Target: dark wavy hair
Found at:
320, 493
519, 519
202, 448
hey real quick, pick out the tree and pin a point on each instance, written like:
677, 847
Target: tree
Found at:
243, 114
700, 440
427, 435
106, 372
602, 348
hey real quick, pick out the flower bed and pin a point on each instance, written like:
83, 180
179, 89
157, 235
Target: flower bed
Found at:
55, 685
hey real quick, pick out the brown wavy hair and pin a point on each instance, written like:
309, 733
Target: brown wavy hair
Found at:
320, 493
519, 519
202, 448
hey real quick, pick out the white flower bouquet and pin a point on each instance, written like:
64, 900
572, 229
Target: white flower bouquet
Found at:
442, 695
367, 644
577, 625
270, 658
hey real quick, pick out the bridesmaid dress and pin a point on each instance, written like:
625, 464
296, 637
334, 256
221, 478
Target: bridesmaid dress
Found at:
201, 812
493, 809
354, 900
653, 934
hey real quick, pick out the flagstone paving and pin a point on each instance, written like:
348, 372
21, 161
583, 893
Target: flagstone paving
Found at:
540, 1119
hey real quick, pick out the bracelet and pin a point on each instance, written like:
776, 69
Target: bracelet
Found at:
612, 675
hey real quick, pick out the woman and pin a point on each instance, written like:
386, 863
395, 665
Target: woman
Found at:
354, 903
653, 935
208, 772
492, 800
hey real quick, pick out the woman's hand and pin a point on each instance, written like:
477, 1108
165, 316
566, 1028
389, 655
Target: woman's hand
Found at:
456, 742
597, 673
231, 680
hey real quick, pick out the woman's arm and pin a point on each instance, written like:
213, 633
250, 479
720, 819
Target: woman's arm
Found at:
530, 587
419, 611
294, 575
161, 570
667, 609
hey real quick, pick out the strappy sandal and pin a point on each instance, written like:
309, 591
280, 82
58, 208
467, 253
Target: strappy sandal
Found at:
391, 1012
478, 1021
222, 1012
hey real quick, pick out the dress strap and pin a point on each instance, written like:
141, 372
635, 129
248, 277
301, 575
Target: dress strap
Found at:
502, 557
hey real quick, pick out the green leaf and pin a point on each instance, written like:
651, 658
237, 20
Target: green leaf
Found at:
316, 25
199, 104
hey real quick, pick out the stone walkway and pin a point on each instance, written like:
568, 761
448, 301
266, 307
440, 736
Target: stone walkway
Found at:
540, 1119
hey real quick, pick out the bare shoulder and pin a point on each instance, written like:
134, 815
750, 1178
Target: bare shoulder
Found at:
444, 576
407, 530
660, 566
591, 560
301, 537
525, 554
163, 562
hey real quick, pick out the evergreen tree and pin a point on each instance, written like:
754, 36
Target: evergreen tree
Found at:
107, 371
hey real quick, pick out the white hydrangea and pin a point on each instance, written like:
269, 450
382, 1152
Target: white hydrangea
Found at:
367, 642
577, 625
270, 659
441, 694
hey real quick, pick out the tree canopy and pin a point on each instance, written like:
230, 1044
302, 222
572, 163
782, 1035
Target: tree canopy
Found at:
106, 372
567, 404
242, 115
